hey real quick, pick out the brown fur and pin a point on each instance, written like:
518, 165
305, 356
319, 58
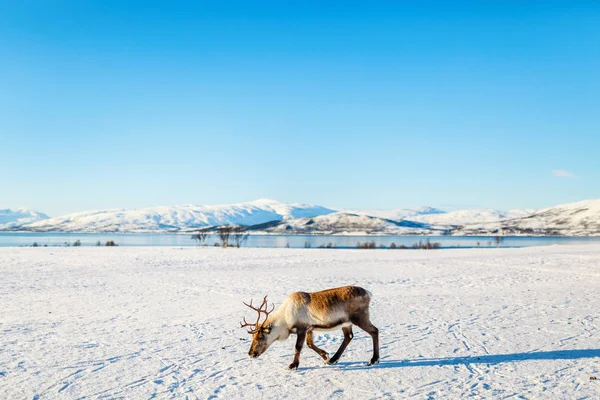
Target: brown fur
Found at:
349, 298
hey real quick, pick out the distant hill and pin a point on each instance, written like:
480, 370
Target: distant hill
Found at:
470, 217
175, 218
271, 216
21, 216
397, 214
343, 223
573, 219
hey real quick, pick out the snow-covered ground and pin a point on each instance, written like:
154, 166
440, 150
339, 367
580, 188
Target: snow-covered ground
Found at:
154, 322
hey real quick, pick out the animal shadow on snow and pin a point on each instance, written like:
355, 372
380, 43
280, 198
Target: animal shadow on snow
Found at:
485, 359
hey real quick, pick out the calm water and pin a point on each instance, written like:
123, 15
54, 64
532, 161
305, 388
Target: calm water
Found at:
297, 241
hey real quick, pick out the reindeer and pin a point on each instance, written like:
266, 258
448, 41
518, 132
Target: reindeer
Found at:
302, 313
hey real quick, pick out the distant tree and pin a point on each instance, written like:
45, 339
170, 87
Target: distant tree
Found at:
393, 245
366, 245
427, 245
35, 244
111, 243
200, 237
98, 243
307, 245
77, 243
327, 246
239, 236
498, 240
224, 234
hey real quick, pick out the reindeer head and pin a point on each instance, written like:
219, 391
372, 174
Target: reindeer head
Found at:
263, 334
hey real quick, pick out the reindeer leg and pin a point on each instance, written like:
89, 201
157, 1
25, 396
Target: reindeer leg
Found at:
310, 344
347, 338
365, 324
299, 343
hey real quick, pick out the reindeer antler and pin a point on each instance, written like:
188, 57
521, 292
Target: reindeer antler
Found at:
262, 309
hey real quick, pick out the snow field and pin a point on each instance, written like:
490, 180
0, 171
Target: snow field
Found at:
155, 322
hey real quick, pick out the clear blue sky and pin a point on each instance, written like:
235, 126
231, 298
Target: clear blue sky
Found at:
386, 104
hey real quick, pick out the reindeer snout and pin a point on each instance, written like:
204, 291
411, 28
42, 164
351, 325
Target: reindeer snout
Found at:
252, 354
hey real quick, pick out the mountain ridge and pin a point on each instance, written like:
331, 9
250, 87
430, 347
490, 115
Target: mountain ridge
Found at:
572, 219
342, 223
19, 216
581, 218
175, 218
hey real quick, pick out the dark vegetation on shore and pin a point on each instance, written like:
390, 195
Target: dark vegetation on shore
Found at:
77, 243
236, 236
426, 245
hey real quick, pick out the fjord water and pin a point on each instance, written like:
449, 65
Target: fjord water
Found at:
274, 241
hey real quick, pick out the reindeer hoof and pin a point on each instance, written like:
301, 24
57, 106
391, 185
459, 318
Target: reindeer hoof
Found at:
331, 362
293, 366
373, 362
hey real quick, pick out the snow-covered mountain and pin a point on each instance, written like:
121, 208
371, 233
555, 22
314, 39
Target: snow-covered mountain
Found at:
343, 224
176, 218
11, 218
579, 219
573, 219
470, 217
291, 210
397, 214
